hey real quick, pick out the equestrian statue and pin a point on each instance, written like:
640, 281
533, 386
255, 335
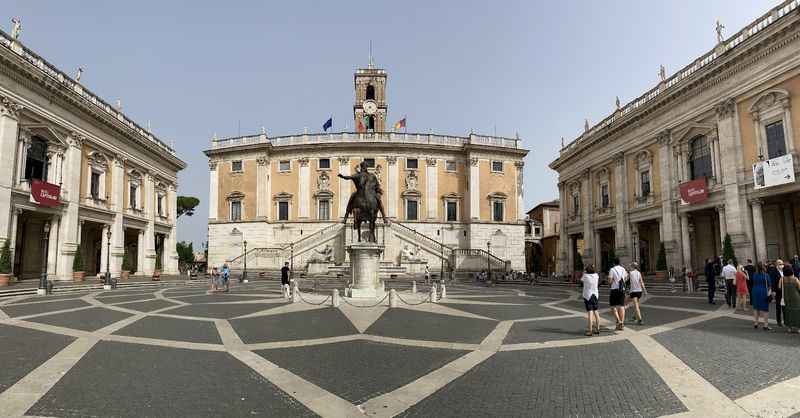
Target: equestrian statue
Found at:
365, 202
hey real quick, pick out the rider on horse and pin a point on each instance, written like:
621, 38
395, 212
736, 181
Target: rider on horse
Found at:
366, 185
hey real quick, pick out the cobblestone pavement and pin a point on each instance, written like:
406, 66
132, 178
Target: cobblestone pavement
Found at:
186, 352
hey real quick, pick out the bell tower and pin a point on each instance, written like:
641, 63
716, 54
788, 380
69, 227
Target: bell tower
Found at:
369, 109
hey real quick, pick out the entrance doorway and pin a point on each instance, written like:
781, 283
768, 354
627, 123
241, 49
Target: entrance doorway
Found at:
647, 245
29, 254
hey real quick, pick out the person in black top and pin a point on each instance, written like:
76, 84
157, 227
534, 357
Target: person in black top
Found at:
285, 279
711, 279
775, 272
751, 272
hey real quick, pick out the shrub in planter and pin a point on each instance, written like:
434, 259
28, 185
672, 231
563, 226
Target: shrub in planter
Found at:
78, 271
126, 266
157, 271
5, 264
661, 262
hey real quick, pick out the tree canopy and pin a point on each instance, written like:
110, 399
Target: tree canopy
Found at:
186, 205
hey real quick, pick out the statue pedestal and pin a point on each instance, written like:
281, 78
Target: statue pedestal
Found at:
365, 259
414, 266
317, 267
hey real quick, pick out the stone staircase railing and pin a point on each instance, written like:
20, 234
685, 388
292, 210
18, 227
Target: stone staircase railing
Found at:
433, 246
497, 263
274, 256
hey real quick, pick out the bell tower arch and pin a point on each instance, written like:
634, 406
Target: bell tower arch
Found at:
370, 108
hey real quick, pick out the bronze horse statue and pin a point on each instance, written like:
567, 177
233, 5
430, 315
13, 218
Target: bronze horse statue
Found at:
365, 202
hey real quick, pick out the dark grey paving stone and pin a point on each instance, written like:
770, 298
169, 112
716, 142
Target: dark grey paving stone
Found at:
90, 319
582, 381
416, 325
37, 308
549, 330
174, 329
578, 305
222, 311
132, 380
23, 350
520, 300
693, 303
216, 298
148, 306
317, 323
360, 370
125, 298
51, 298
505, 312
118, 292
653, 317
712, 348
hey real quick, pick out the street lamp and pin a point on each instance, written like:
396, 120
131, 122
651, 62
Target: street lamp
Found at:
489, 259
43, 278
441, 249
291, 260
244, 271
107, 283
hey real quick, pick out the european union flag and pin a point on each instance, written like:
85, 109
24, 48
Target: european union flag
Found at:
328, 124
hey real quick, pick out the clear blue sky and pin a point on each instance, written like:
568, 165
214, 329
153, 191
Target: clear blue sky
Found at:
539, 68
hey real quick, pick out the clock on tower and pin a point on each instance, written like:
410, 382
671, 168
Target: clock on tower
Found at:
369, 110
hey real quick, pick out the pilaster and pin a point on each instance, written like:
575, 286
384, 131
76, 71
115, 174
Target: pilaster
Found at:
392, 190
344, 185
9, 128
262, 178
474, 189
621, 236
213, 190
431, 187
117, 229
588, 236
726, 128
520, 165
304, 186
69, 232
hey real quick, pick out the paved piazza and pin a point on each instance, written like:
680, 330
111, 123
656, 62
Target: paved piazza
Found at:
180, 351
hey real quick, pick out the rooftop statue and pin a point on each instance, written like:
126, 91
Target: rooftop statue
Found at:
16, 27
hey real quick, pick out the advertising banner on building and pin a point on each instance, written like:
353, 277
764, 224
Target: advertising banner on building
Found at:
694, 191
45, 194
773, 172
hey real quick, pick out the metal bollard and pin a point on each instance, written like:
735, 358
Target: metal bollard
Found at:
392, 298
434, 299
295, 293
444, 291
335, 302
414, 287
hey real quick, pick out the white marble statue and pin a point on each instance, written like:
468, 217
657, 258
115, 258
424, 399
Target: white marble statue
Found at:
407, 254
719, 29
662, 73
323, 255
79, 74
16, 27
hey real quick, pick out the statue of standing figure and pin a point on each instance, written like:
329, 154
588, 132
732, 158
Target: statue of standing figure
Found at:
16, 27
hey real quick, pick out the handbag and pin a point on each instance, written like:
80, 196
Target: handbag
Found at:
770, 293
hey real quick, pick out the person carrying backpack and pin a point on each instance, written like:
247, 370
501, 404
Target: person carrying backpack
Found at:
618, 275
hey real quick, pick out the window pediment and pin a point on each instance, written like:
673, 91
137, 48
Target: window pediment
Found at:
694, 130
282, 196
324, 194
497, 196
235, 195
771, 99
415, 194
452, 196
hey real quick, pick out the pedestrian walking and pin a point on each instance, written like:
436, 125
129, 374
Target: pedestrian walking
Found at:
688, 277
617, 275
775, 274
214, 278
762, 294
742, 293
637, 287
285, 280
796, 265
790, 286
226, 275
729, 274
711, 280
750, 269
591, 295
427, 275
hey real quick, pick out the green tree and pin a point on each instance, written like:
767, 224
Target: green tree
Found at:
185, 253
158, 260
661, 261
578, 263
77, 260
126, 261
186, 205
727, 250
5, 258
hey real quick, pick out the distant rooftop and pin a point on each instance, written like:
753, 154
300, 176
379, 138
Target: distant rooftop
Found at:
76, 88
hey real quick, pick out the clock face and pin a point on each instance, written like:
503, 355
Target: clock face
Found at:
370, 107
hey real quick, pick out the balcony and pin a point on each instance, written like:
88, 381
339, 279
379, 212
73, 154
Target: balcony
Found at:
96, 202
646, 200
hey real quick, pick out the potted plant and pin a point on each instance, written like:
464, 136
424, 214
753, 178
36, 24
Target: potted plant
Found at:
78, 272
5, 264
157, 271
126, 266
727, 250
661, 263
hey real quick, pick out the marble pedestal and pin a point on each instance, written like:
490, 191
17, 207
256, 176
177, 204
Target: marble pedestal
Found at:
365, 258
317, 267
414, 266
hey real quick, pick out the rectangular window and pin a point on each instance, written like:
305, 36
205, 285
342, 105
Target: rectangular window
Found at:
497, 211
497, 166
645, 176
537, 231
236, 166
452, 211
94, 185
776, 143
236, 210
284, 165
576, 203
411, 210
450, 165
370, 162
160, 205
283, 211
324, 210
412, 164
324, 163
132, 196
604, 196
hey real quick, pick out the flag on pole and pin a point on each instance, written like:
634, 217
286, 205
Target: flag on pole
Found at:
400, 124
360, 125
328, 124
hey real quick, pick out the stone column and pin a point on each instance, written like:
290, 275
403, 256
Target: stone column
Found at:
634, 237
723, 230
563, 240
392, 189
213, 192
104, 248
70, 191
570, 255
140, 257
431, 188
9, 116
789, 231
12, 235
686, 242
117, 203
170, 250
53, 244
304, 189
668, 209
586, 191
268, 197
149, 200
621, 238
718, 175
787, 123
474, 189
262, 177
758, 229
344, 185
520, 165
729, 146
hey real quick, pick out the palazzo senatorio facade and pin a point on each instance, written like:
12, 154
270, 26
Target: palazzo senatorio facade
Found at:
74, 168
454, 201
684, 164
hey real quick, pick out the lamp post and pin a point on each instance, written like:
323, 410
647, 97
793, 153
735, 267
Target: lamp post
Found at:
441, 249
291, 260
107, 283
489, 259
43, 277
244, 271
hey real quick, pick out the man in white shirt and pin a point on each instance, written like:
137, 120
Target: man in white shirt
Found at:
617, 275
729, 273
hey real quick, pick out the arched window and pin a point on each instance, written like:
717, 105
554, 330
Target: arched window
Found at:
699, 158
36, 160
370, 92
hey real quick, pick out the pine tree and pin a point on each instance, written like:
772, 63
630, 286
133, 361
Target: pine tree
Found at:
77, 261
661, 261
727, 250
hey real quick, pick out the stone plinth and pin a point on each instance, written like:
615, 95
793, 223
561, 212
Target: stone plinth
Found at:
318, 267
414, 266
365, 258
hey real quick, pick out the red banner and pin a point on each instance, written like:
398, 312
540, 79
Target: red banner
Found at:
45, 194
694, 191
